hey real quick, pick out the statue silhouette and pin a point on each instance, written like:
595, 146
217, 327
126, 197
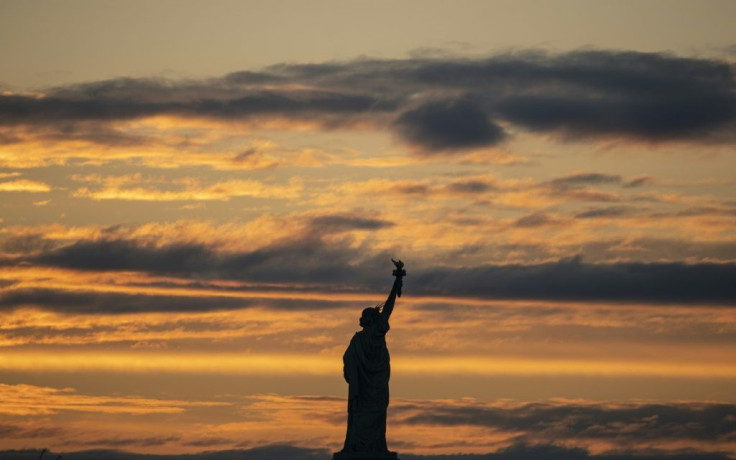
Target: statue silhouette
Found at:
367, 369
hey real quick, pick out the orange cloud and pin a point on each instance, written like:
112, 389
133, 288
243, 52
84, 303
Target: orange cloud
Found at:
24, 399
24, 185
189, 189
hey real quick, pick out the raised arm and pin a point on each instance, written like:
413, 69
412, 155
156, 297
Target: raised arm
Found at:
399, 273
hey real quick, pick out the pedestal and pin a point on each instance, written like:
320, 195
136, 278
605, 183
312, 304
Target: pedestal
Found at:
342, 455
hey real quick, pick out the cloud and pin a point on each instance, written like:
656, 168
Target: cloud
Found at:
111, 303
638, 422
311, 259
271, 325
655, 118
441, 104
470, 186
574, 280
29, 400
448, 125
117, 442
504, 429
699, 211
537, 220
605, 213
136, 188
121, 254
614, 250
26, 244
587, 178
333, 223
617, 429
24, 185
305, 259
23, 430
137, 99
639, 181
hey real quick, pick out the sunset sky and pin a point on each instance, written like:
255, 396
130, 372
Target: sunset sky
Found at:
198, 198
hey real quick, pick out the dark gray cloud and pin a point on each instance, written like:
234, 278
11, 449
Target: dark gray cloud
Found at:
448, 125
113, 303
338, 265
470, 186
580, 194
587, 178
118, 254
578, 187
6, 283
333, 223
574, 280
535, 220
655, 118
308, 259
245, 154
412, 189
130, 441
18, 110
97, 302
605, 213
208, 442
442, 104
647, 250
15, 431
711, 422
639, 181
699, 211
25, 244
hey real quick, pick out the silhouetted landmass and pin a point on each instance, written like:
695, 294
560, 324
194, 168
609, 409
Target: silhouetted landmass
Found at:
287, 452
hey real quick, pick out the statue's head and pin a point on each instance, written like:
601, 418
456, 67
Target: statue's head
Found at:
369, 315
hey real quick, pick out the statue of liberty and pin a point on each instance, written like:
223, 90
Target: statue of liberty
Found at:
367, 370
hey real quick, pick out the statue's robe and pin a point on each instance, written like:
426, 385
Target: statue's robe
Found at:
367, 370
